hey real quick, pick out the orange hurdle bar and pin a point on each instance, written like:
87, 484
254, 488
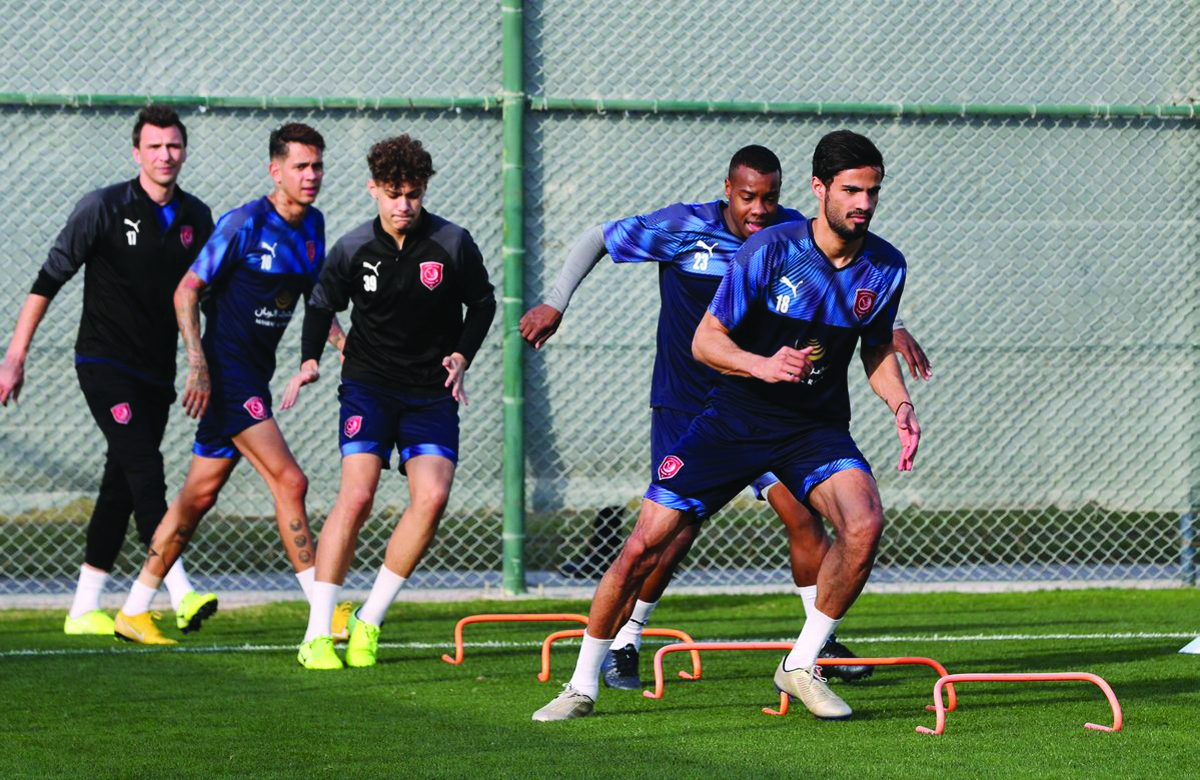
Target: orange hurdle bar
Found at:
502, 618
544, 675
659, 681
946, 681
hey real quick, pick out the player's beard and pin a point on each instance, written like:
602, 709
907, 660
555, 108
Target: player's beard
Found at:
843, 227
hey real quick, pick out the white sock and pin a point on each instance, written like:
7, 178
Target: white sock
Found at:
808, 595
387, 584
631, 632
307, 579
178, 584
87, 592
320, 609
140, 596
586, 678
817, 628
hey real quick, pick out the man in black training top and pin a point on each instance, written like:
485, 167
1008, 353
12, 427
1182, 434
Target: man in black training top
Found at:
408, 273
137, 239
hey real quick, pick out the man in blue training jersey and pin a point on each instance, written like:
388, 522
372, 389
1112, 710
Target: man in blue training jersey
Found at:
782, 330
263, 257
134, 240
409, 275
693, 244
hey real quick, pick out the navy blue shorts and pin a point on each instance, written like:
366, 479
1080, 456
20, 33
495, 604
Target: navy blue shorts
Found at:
722, 452
375, 420
667, 426
230, 411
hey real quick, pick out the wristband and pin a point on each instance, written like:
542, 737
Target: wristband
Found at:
902, 403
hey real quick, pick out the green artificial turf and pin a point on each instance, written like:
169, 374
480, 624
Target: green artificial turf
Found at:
231, 701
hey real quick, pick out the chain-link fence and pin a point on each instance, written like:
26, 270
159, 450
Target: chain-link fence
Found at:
1053, 269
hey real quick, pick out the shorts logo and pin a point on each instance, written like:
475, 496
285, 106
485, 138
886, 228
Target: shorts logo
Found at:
864, 302
122, 413
185, 236
353, 425
431, 274
256, 408
311, 246
669, 467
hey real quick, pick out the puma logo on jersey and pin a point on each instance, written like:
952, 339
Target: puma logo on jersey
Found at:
371, 283
374, 268
267, 260
795, 288
131, 235
700, 259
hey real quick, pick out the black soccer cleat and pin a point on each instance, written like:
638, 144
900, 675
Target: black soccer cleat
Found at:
835, 649
620, 668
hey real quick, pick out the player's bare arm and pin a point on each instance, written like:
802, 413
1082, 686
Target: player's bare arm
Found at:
907, 347
713, 347
887, 380
187, 313
456, 368
12, 371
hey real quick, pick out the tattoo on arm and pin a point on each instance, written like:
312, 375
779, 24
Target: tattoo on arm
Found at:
187, 313
153, 553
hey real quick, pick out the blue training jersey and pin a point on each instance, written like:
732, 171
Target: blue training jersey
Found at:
256, 266
693, 247
781, 290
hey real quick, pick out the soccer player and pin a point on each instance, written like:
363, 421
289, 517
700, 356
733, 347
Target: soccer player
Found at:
782, 329
409, 274
693, 244
136, 239
261, 259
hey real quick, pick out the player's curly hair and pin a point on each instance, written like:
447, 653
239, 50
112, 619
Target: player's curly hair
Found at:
158, 116
400, 160
293, 133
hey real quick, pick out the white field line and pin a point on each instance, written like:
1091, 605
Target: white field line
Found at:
249, 648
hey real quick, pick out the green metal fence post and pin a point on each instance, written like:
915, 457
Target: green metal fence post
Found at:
513, 101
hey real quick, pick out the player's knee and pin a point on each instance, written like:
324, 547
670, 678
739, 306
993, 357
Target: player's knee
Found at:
293, 484
862, 532
431, 501
357, 502
637, 558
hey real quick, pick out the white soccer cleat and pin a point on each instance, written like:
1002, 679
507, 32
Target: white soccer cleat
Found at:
807, 685
566, 705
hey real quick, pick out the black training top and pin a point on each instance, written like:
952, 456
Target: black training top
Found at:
408, 303
133, 267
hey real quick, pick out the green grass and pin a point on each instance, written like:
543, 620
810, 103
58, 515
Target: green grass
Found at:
102, 709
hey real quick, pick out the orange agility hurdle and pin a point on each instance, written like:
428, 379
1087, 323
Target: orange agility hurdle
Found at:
544, 675
946, 681
659, 678
502, 618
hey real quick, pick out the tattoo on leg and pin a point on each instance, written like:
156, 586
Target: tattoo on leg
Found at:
153, 553
295, 525
301, 541
305, 556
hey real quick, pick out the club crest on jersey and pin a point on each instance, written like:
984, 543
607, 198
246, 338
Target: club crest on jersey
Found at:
431, 274
669, 467
311, 246
122, 413
864, 302
353, 426
256, 408
284, 300
185, 236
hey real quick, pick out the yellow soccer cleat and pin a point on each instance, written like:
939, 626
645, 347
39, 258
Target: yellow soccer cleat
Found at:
194, 609
318, 654
364, 644
342, 619
89, 623
140, 628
